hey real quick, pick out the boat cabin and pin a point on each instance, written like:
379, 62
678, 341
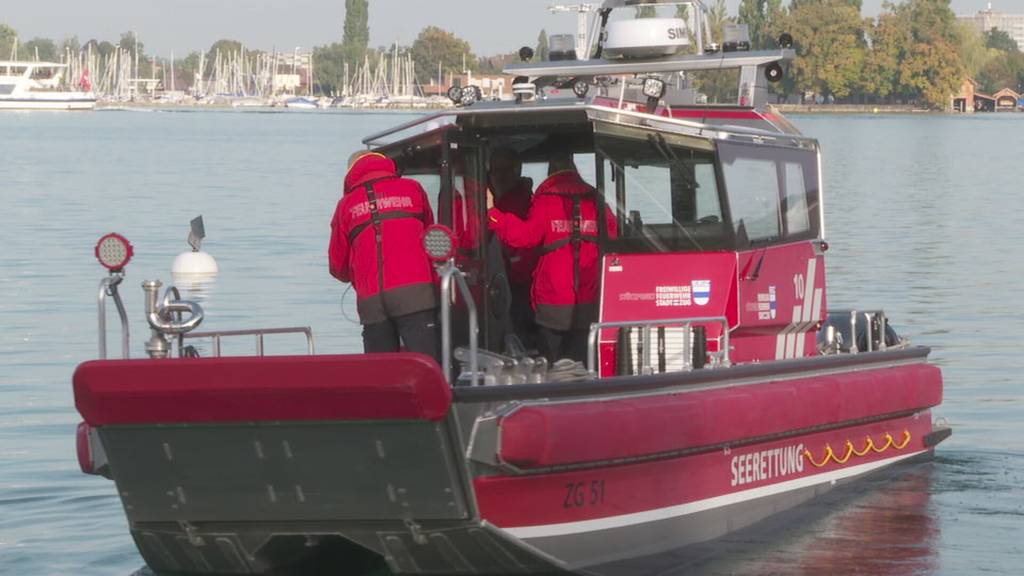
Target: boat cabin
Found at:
719, 223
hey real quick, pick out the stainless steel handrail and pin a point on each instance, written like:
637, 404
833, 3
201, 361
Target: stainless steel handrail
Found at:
596, 327
108, 287
259, 334
447, 272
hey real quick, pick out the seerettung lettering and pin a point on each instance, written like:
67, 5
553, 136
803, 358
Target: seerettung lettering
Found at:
767, 464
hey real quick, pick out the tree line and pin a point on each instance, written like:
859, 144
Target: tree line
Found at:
914, 51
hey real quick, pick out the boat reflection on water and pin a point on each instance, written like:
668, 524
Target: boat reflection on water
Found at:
879, 526
196, 287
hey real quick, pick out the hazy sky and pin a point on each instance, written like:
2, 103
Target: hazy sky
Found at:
491, 26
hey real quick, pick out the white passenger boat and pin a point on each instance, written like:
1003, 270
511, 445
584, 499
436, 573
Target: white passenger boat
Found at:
41, 86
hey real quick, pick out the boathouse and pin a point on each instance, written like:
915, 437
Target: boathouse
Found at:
1007, 100
964, 100
971, 100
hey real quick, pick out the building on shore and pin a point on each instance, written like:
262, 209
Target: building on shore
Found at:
986, 20
1007, 100
969, 99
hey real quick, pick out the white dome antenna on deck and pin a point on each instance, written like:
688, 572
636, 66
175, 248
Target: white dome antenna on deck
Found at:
646, 38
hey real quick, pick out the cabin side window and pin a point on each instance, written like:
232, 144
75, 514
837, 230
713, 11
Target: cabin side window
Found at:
772, 193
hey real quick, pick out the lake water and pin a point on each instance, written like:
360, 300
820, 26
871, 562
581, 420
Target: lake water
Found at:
922, 218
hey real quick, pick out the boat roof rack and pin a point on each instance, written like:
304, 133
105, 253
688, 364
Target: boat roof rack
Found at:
692, 62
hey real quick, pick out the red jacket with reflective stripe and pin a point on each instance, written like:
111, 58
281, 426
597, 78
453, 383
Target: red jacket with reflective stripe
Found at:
549, 221
407, 275
521, 261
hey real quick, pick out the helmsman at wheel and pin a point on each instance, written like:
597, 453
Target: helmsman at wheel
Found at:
376, 244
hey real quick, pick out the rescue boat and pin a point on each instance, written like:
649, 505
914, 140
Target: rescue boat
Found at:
720, 391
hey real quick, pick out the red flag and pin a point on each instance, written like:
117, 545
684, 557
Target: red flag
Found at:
84, 83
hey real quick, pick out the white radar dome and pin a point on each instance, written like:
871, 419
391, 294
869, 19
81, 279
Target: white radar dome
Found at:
646, 37
194, 264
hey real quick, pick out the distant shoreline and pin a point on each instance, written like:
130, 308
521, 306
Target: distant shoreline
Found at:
852, 109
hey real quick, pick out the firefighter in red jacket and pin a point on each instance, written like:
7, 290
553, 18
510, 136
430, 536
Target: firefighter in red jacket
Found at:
377, 245
562, 222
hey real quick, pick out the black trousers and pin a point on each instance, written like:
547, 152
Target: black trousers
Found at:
522, 316
557, 344
419, 332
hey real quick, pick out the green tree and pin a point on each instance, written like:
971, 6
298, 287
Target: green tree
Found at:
646, 12
225, 47
829, 37
329, 62
357, 24
543, 48
718, 85
71, 45
433, 46
1005, 70
186, 69
130, 42
889, 37
8, 37
930, 65
41, 49
103, 48
1000, 40
973, 52
759, 15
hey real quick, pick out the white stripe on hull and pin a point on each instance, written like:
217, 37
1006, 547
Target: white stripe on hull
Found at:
627, 520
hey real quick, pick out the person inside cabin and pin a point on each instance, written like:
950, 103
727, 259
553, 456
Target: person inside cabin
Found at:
513, 194
563, 223
377, 245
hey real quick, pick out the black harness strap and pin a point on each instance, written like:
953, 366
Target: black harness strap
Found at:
396, 215
376, 221
576, 238
378, 231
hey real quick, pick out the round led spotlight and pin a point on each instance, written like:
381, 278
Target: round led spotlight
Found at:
580, 88
114, 251
654, 88
455, 94
439, 243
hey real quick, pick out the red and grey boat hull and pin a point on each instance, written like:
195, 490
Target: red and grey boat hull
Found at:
258, 465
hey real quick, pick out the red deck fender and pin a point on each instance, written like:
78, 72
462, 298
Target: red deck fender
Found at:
252, 389
538, 436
